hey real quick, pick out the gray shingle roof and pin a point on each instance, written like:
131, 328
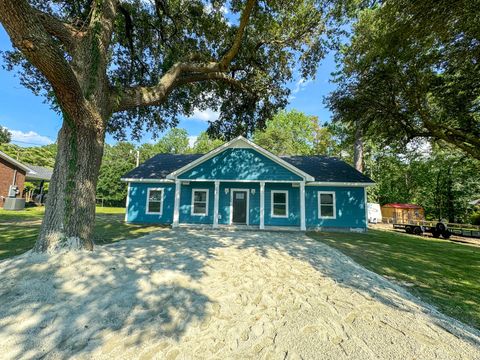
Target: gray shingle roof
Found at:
327, 169
159, 166
322, 168
41, 173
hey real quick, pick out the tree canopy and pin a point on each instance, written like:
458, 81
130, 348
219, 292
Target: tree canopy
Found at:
295, 133
248, 50
35, 155
412, 70
204, 143
5, 135
117, 161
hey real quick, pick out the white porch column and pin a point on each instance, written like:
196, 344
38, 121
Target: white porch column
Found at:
128, 202
302, 206
262, 205
215, 203
176, 205
366, 207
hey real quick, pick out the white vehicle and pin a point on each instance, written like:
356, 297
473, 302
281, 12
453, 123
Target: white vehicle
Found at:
374, 213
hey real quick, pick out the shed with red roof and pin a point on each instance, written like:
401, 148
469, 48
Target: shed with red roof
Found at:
402, 213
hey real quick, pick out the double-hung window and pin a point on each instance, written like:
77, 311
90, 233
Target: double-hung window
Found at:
279, 203
200, 202
155, 201
326, 205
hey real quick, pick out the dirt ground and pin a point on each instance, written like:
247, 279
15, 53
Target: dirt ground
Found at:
185, 294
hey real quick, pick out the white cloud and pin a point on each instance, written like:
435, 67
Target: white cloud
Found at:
191, 140
29, 138
204, 115
300, 85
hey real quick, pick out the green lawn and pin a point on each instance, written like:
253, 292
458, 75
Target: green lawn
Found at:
442, 273
19, 229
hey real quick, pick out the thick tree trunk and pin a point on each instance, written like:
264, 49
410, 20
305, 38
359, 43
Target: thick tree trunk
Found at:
358, 150
70, 209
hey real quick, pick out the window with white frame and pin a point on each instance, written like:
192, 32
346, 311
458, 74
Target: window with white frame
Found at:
154, 201
200, 202
279, 203
326, 205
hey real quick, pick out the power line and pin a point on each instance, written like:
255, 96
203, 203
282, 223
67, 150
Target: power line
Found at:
29, 143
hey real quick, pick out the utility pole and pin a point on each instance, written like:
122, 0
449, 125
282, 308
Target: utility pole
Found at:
137, 156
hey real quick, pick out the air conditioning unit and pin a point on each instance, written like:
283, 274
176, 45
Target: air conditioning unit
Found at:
14, 204
13, 191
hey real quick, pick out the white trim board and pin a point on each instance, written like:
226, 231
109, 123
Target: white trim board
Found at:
148, 200
339, 184
127, 203
247, 192
312, 183
366, 206
240, 142
147, 180
272, 193
207, 200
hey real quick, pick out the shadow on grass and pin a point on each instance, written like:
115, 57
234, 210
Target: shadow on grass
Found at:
16, 239
20, 237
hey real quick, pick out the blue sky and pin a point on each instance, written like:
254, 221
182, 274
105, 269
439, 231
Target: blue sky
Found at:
32, 122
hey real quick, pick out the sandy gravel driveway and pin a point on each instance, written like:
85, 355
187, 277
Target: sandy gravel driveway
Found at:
212, 294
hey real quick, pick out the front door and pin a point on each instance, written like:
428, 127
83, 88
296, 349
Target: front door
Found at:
239, 206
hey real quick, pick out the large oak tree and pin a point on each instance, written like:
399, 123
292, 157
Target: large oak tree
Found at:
127, 66
412, 70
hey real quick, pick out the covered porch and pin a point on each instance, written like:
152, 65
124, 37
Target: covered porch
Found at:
247, 204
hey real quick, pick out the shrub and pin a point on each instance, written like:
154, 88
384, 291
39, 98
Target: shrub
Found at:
475, 218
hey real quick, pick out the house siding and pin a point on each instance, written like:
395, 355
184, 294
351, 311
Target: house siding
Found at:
185, 209
7, 172
350, 207
137, 204
240, 164
293, 218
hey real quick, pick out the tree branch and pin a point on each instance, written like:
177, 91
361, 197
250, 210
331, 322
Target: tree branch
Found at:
182, 73
66, 33
29, 35
212, 77
230, 55
155, 95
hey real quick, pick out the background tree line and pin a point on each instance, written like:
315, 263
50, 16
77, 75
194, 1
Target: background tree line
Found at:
433, 174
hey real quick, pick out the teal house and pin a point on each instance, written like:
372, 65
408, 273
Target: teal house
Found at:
240, 184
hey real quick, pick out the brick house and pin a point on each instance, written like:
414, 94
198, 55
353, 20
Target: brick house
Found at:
12, 172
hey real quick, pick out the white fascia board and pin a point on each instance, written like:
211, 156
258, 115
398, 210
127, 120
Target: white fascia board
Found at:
146, 180
212, 180
16, 163
346, 184
234, 144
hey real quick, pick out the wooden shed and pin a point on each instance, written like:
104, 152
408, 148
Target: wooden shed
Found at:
402, 213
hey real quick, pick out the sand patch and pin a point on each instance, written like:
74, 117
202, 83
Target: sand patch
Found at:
214, 294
